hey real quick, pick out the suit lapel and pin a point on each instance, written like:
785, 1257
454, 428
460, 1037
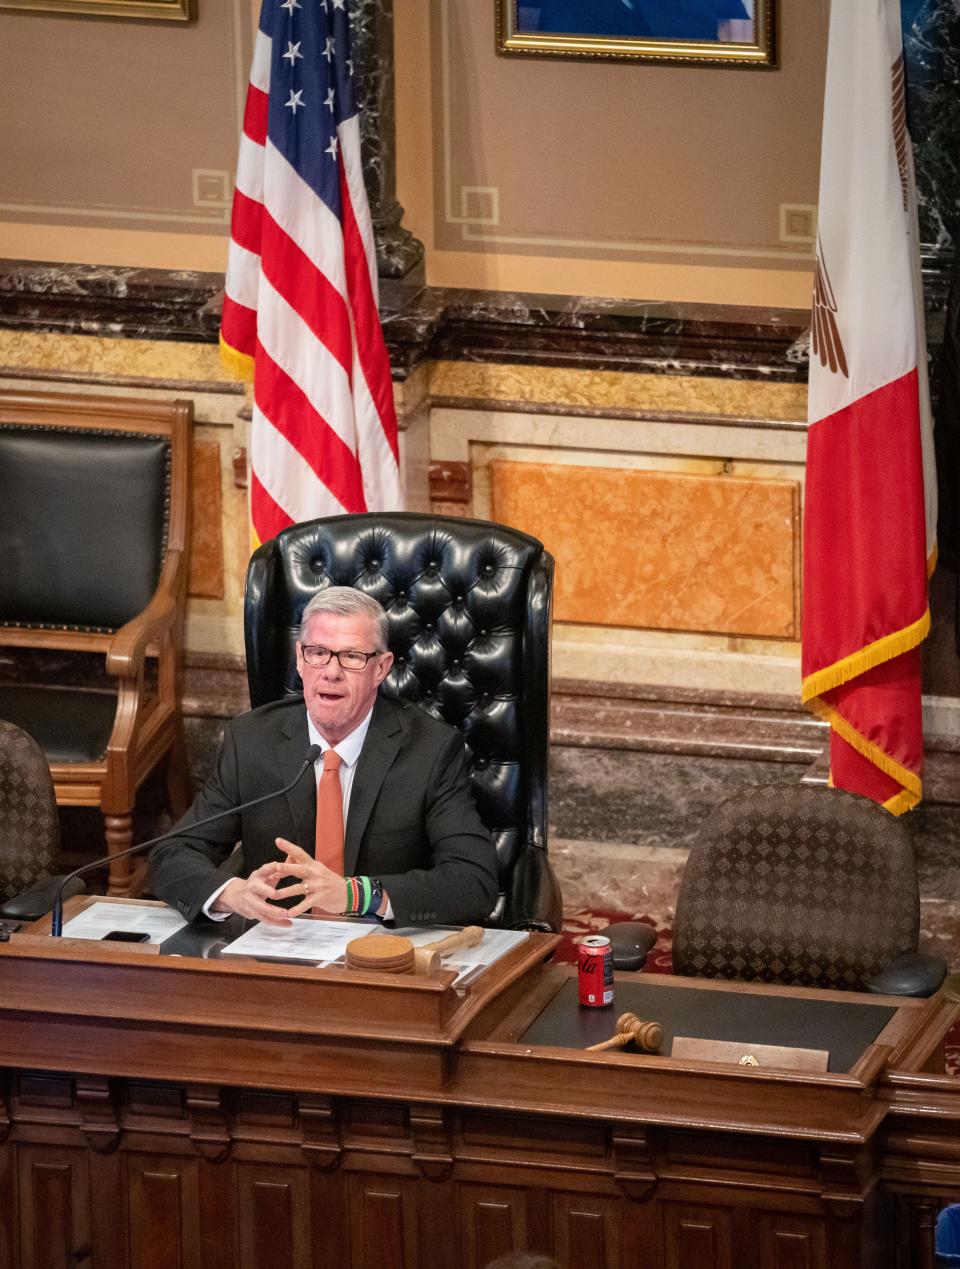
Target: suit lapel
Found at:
376, 758
302, 799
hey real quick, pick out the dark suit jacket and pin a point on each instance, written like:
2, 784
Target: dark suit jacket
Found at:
412, 822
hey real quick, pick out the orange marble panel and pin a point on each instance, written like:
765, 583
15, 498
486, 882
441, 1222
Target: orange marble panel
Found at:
205, 577
661, 550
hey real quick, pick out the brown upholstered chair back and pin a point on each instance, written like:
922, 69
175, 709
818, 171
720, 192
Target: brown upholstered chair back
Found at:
29, 828
797, 884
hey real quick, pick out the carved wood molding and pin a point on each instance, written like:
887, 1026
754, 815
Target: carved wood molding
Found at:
319, 1124
432, 1132
841, 1175
4, 1105
209, 1127
634, 1169
99, 1124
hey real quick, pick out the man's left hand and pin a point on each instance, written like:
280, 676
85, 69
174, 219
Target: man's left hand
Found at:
323, 889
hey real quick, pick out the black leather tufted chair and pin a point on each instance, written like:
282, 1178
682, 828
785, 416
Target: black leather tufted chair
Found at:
807, 886
469, 609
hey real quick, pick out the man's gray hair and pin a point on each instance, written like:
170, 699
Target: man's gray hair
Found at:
344, 601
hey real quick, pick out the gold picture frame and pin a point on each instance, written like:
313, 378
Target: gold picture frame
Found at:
162, 10
600, 39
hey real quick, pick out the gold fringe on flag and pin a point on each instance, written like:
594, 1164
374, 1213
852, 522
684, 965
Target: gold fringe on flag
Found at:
885, 649
849, 667
239, 364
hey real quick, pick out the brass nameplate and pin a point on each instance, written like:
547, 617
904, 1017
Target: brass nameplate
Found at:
749, 1056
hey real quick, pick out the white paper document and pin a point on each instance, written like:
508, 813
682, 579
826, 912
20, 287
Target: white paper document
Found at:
305, 940
103, 918
322, 942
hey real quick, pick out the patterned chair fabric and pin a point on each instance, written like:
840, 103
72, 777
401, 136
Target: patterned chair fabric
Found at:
797, 884
29, 828
468, 605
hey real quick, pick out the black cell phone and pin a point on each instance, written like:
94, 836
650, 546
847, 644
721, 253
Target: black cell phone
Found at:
126, 936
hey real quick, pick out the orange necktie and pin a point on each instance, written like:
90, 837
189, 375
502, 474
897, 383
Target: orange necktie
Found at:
329, 844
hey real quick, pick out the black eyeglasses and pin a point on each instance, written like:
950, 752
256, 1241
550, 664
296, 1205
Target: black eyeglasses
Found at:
349, 659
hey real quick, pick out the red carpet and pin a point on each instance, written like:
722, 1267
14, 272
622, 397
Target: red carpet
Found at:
577, 925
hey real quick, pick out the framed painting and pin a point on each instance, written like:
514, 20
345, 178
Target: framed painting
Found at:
697, 32
164, 10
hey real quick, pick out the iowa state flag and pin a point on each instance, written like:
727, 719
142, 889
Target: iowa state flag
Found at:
870, 508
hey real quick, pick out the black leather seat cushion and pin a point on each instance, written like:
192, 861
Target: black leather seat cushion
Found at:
94, 561
70, 724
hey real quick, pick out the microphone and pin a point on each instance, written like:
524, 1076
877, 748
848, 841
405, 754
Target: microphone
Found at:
56, 928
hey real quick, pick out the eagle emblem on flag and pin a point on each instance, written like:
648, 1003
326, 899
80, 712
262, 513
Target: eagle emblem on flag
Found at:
824, 333
898, 102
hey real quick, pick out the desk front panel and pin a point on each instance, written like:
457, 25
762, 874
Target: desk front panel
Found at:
600, 1159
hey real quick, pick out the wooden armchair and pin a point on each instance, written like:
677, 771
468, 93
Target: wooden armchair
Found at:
93, 541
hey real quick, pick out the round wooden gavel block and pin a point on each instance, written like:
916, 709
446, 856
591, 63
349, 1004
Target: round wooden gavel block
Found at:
382, 953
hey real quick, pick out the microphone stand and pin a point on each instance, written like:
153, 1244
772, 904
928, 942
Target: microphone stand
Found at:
56, 926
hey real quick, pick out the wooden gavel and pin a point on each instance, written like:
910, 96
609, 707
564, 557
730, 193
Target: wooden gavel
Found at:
430, 958
647, 1036
395, 954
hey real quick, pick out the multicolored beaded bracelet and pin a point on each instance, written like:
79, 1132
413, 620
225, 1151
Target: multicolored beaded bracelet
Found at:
364, 896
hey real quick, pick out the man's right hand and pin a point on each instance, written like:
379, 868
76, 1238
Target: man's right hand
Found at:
250, 896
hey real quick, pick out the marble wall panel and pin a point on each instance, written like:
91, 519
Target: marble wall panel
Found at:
616, 389
761, 442
664, 550
109, 359
206, 530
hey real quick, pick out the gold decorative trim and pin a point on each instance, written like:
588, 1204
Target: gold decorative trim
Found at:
163, 10
761, 52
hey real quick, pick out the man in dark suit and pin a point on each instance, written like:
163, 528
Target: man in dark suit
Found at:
393, 831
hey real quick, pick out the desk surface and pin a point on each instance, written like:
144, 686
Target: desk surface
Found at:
843, 1027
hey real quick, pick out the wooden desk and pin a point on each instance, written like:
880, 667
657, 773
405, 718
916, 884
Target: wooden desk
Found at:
167, 1111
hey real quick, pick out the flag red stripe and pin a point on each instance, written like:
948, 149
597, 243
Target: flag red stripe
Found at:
246, 222
294, 276
291, 413
238, 326
266, 516
371, 349
255, 114
864, 576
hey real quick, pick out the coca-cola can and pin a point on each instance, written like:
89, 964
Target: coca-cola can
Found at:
595, 971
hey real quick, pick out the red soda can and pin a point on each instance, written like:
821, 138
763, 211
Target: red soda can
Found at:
595, 971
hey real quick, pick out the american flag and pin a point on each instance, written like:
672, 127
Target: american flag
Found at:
300, 309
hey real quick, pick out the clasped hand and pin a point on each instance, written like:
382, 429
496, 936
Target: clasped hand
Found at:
256, 896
